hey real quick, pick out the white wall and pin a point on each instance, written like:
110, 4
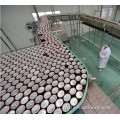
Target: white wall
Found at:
13, 23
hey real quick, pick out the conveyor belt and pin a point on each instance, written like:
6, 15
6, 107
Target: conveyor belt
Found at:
44, 79
112, 28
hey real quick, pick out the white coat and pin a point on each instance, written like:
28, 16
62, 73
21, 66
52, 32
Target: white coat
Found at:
104, 56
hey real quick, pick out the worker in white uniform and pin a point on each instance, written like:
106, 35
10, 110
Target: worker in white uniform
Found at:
104, 56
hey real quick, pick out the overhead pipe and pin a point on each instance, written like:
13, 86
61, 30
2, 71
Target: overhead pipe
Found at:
8, 38
36, 12
6, 43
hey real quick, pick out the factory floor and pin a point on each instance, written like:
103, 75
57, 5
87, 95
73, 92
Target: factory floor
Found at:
109, 79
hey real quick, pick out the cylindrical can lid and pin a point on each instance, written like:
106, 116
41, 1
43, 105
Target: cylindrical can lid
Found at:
4, 110
73, 82
23, 88
42, 83
61, 93
79, 87
72, 76
84, 71
51, 74
11, 112
61, 73
83, 81
38, 99
72, 91
34, 77
20, 109
72, 71
27, 92
67, 80
79, 94
73, 101
33, 95
59, 102
35, 87
30, 104
26, 112
18, 96
66, 75
78, 71
67, 97
41, 89
61, 78
48, 87
61, 85
47, 95
54, 90
53, 98
43, 111
50, 108
81, 66
55, 77
84, 76
49, 81
54, 83
66, 107
38, 80
58, 111
78, 78
6, 96
24, 100
67, 87
35, 109
15, 105
44, 103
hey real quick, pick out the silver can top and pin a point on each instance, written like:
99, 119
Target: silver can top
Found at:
51, 108
59, 102
67, 97
73, 101
44, 104
61, 93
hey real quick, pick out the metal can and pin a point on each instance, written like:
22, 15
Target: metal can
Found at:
72, 91
40, 90
83, 81
84, 71
48, 87
4, 110
66, 107
20, 109
78, 78
9, 100
6, 96
84, 76
59, 102
42, 83
33, 95
55, 83
27, 92
58, 111
43, 111
44, 103
35, 108
51, 108
47, 95
15, 104
54, 90
53, 98
73, 82
72, 76
67, 80
18, 96
61, 85
38, 99
30, 104
61, 78
67, 87
79, 94
67, 97
49, 81
61, 93
26, 112
79, 87
24, 100
73, 101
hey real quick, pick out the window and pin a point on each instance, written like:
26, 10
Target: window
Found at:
106, 12
44, 13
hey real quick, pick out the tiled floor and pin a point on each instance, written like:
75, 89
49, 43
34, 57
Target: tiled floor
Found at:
96, 102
